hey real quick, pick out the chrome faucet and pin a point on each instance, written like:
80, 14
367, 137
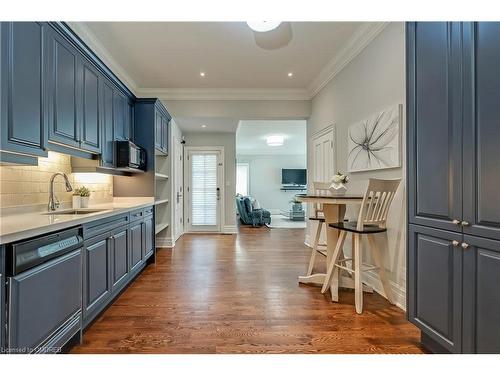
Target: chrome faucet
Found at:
53, 201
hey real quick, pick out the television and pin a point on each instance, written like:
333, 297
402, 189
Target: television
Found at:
294, 176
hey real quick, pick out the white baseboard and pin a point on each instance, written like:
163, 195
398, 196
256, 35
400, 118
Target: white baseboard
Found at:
307, 241
230, 229
165, 242
398, 292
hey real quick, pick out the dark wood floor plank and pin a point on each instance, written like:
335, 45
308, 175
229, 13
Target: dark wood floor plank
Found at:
239, 294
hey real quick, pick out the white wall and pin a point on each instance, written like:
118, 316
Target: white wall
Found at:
374, 80
265, 178
228, 141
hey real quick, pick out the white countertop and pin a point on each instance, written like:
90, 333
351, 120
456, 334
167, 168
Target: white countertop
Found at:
15, 227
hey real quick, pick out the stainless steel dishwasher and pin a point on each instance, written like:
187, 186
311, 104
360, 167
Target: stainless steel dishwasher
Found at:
44, 283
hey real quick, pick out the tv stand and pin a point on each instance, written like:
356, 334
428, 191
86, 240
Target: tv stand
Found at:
294, 188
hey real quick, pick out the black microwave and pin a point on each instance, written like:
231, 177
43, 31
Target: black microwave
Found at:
129, 155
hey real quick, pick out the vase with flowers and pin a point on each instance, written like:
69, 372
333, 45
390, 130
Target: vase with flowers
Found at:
338, 183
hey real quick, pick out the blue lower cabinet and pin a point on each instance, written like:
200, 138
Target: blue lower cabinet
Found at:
23, 114
148, 228
435, 284
98, 275
120, 256
114, 253
2, 298
481, 314
136, 244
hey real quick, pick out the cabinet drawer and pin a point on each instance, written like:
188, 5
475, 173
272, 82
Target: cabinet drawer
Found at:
148, 211
105, 225
136, 215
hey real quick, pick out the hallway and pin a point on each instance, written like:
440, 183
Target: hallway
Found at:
239, 294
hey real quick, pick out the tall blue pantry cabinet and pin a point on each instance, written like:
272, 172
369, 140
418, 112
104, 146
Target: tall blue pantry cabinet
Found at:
453, 104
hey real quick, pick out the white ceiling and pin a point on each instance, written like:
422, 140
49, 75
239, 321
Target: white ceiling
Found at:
251, 137
172, 54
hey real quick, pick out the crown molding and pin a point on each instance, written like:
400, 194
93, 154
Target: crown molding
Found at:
96, 46
223, 94
361, 38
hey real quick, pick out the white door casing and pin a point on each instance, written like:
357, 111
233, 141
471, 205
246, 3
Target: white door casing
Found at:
178, 186
324, 165
204, 189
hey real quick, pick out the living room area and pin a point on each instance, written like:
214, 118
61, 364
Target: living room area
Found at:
271, 160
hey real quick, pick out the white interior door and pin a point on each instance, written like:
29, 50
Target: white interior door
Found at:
204, 190
323, 157
178, 184
324, 165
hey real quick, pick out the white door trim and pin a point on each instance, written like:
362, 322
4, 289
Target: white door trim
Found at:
221, 166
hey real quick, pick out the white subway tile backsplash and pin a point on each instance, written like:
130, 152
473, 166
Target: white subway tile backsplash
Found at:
29, 185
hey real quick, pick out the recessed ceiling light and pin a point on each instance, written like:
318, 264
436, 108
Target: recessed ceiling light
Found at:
275, 140
263, 26
203, 126
202, 74
290, 74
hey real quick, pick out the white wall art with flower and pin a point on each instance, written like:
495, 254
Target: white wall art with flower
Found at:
374, 143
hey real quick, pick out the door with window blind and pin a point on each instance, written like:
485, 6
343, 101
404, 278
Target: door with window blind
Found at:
204, 190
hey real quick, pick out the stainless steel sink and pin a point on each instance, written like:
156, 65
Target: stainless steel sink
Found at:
79, 211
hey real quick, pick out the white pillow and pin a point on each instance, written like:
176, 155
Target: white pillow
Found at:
255, 204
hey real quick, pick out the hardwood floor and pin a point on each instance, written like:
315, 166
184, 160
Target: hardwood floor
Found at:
239, 294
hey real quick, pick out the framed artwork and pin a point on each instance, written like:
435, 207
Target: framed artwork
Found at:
374, 143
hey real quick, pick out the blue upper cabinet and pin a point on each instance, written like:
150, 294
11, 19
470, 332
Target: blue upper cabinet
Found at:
434, 132
121, 119
481, 125
107, 151
91, 127
64, 91
57, 95
23, 106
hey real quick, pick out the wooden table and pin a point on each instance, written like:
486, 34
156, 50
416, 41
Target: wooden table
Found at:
334, 210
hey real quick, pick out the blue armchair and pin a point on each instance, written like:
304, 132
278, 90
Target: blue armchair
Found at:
250, 216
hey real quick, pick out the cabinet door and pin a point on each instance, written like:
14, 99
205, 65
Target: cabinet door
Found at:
23, 105
97, 286
107, 154
136, 244
120, 256
435, 284
158, 130
2, 296
482, 129
65, 86
481, 314
91, 137
120, 110
166, 123
434, 124
148, 237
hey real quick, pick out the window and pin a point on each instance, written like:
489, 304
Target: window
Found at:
242, 178
204, 185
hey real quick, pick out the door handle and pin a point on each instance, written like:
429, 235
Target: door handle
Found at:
455, 243
218, 194
456, 222
465, 223
465, 245
179, 195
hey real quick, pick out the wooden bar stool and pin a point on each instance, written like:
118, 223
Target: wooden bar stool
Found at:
372, 219
320, 188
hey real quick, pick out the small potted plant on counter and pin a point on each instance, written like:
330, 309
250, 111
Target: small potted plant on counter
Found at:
81, 197
338, 183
